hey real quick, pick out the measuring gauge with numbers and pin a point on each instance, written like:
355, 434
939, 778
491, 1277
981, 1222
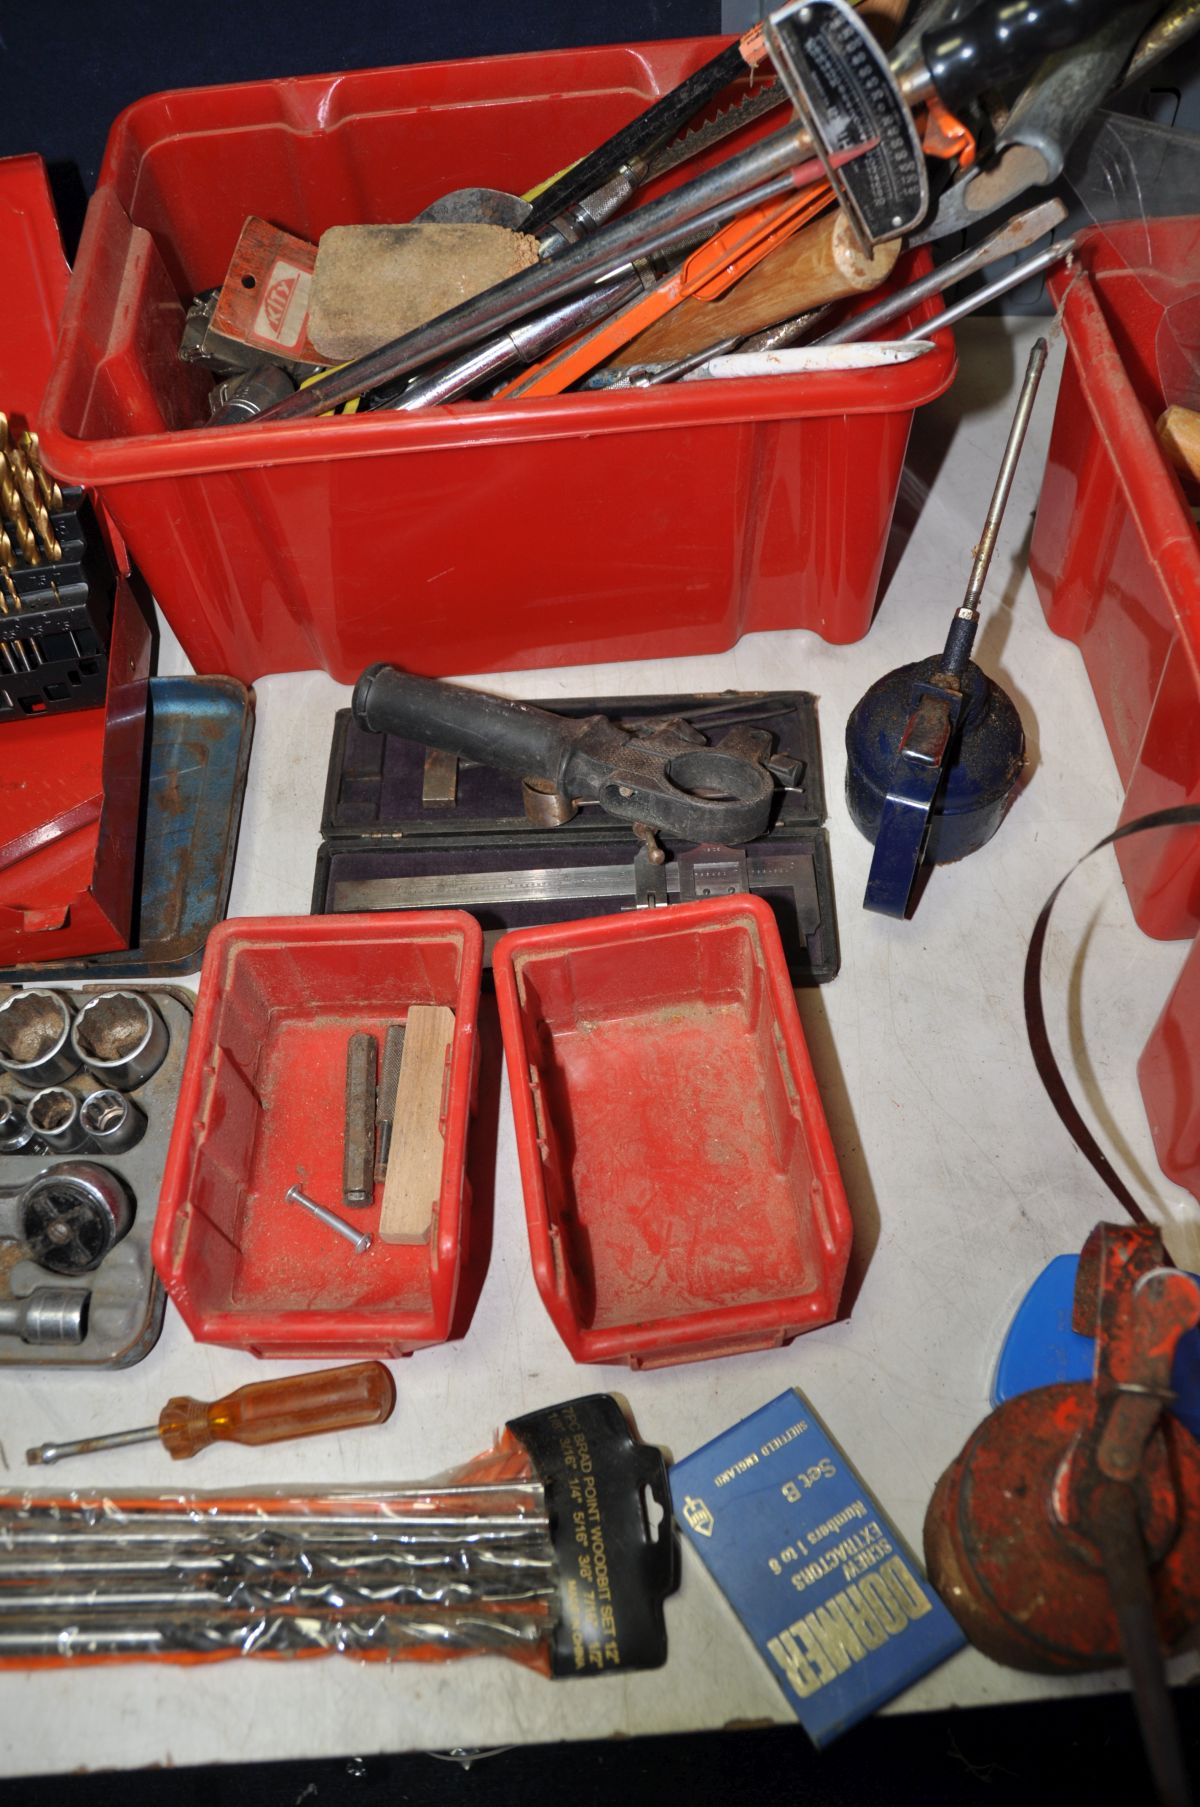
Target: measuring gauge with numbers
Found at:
847, 95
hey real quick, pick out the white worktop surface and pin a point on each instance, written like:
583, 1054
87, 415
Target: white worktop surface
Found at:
961, 1180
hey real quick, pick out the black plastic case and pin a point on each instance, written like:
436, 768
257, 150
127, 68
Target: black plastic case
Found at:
422, 830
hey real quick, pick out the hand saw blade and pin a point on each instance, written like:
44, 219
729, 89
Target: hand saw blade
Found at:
722, 125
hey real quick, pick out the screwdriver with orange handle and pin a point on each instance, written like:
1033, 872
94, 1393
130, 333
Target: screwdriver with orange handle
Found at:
269, 1411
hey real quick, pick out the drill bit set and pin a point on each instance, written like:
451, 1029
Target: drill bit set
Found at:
55, 589
485, 1560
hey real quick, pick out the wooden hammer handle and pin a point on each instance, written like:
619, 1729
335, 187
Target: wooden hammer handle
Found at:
822, 263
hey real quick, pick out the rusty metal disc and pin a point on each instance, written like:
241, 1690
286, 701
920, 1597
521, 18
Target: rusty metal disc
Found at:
1029, 1592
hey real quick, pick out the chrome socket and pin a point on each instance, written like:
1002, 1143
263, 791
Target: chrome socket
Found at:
15, 1133
35, 1038
73, 1214
54, 1119
111, 1122
50, 1314
120, 1037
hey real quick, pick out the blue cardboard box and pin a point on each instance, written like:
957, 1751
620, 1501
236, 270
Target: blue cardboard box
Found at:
837, 1607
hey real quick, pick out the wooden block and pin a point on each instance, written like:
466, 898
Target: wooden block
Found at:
1179, 436
414, 1169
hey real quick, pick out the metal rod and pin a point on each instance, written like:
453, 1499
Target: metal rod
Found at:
1015, 235
523, 343
368, 1558
360, 1239
418, 1530
1123, 1554
962, 629
1004, 479
47, 1453
261, 1592
1032, 266
362, 1630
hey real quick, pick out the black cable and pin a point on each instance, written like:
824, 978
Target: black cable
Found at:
1183, 815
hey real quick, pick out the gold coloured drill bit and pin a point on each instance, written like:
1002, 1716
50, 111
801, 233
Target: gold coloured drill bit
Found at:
13, 509
27, 486
50, 490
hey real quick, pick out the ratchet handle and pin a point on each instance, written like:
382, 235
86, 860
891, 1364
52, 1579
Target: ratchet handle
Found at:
273, 1411
996, 42
513, 737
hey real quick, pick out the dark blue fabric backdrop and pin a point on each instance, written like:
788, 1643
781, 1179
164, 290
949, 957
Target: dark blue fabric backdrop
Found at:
67, 68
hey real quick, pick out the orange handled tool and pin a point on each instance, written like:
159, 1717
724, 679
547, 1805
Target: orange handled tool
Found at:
269, 1411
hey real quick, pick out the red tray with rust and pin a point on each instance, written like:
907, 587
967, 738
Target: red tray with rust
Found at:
681, 1189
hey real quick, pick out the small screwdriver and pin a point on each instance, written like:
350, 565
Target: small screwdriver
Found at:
268, 1411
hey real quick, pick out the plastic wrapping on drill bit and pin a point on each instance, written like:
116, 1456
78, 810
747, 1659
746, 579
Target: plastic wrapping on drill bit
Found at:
542, 1549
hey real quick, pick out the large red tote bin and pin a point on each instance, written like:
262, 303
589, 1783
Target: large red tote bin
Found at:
1115, 552
465, 537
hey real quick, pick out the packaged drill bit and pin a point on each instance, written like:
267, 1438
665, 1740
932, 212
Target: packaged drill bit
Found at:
542, 1550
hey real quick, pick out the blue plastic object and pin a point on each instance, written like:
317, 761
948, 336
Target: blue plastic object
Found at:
1042, 1349
199, 733
929, 773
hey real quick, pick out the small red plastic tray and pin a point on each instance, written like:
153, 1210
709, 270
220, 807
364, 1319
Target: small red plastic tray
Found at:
261, 1108
681, 1190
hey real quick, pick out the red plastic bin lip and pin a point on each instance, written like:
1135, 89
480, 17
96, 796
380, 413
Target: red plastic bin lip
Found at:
309, 95
365, 1329
1157, 506
896, 389
692, 1335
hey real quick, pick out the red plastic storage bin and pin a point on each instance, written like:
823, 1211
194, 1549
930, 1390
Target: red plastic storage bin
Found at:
463, 537
70, 785
1115, 552
681, 1190
261, 1109
1169, 1074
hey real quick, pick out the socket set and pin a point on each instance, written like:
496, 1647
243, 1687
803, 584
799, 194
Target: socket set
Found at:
89, 1082
56, 590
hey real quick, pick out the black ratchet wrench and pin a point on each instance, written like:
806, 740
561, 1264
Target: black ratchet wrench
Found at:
667, 779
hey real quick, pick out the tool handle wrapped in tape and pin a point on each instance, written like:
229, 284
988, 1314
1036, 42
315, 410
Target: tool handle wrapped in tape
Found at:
668, 778
542, 1550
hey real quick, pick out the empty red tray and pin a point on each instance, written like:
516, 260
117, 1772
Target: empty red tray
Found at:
262, 1108
681, 1190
